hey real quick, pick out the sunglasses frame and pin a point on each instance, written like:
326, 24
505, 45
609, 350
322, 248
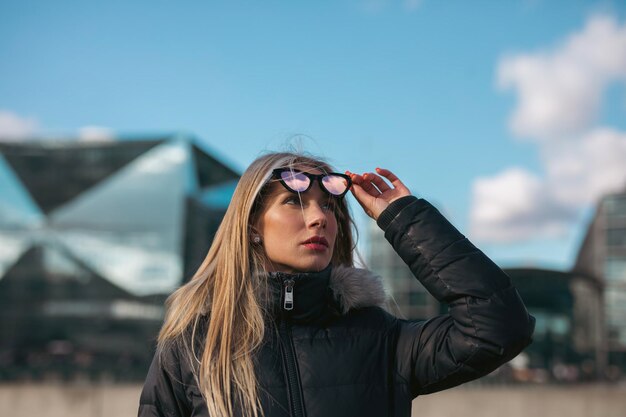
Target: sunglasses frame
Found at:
312, 177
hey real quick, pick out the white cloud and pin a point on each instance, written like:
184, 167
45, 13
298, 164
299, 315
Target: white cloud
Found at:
582, 170
516, 205
560, 95
95, 134
15, 128
560, 92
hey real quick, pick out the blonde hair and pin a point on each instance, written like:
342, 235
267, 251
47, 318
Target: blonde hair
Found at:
230, 292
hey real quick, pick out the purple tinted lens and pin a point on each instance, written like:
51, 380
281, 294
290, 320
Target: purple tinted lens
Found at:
335, 184
295, 180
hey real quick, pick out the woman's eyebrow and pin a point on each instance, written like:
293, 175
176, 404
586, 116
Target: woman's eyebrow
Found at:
278, 194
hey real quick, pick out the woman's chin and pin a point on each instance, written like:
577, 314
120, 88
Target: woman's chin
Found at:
316, 266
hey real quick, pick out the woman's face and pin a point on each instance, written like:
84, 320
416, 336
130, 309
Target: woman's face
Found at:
298, 231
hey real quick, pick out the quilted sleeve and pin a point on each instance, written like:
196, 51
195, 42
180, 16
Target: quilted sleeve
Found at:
487, 323
163, 393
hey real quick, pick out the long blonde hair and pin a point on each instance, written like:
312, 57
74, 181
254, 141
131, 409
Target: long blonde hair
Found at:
230, 291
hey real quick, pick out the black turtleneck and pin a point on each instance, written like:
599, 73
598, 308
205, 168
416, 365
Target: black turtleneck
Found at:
313, 300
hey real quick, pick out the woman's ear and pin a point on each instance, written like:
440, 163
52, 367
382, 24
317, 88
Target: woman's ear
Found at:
255, 236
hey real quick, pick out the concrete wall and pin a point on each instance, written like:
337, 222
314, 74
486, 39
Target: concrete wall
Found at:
531, 401
120, 401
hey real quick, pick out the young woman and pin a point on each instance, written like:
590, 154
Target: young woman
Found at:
278, 322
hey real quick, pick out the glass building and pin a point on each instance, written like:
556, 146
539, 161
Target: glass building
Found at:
411, 298
603, 256
93, 237
568, 329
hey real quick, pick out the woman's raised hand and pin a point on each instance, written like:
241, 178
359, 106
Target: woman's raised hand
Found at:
373, 193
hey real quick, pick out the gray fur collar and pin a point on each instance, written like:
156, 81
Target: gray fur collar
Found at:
356, 288
352, 288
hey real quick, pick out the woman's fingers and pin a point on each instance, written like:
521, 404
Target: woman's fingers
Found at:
372, 205
364, 183
369, 187
375, 185
361, 196
392, 178
377, 181
372, 192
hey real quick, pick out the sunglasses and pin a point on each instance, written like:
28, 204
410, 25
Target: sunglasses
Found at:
333, 183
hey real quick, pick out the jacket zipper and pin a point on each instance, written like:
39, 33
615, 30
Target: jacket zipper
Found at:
295, 395
288, 303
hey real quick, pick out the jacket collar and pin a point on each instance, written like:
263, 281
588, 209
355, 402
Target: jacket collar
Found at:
317, 296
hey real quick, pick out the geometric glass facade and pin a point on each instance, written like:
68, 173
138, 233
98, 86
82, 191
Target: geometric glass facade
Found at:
614, 208
603, 255
93, 237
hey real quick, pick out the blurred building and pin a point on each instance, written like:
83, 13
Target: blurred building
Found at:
412, 299
568, 342
603, 257
93, 237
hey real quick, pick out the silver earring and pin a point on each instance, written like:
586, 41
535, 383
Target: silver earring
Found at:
256, 239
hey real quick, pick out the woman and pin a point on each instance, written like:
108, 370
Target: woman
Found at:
278, 322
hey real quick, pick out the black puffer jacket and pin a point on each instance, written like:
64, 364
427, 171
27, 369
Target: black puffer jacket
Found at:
338, 353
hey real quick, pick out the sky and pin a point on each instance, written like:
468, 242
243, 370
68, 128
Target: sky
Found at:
509, 116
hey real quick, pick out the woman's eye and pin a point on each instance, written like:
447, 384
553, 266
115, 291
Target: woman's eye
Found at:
292, 200
330, 206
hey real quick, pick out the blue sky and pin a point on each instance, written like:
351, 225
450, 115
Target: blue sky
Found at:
419, 87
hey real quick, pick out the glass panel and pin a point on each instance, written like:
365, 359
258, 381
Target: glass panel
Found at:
616, 299
616, 237
219, 196
191, 178
56, 262
615, 269
135, 262
146, 198
12, 246
556, 324
615, 310
17, 208
18, 214
559, 325
615, 320
30, 282
56, 173
616, 205
209, 170
541, 322
129, 227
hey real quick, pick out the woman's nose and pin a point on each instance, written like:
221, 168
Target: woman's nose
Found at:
316, 216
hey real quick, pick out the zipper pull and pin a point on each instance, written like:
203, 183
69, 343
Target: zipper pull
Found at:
288, 304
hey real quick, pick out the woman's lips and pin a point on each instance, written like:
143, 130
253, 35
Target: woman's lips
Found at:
315, 246
317, 243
